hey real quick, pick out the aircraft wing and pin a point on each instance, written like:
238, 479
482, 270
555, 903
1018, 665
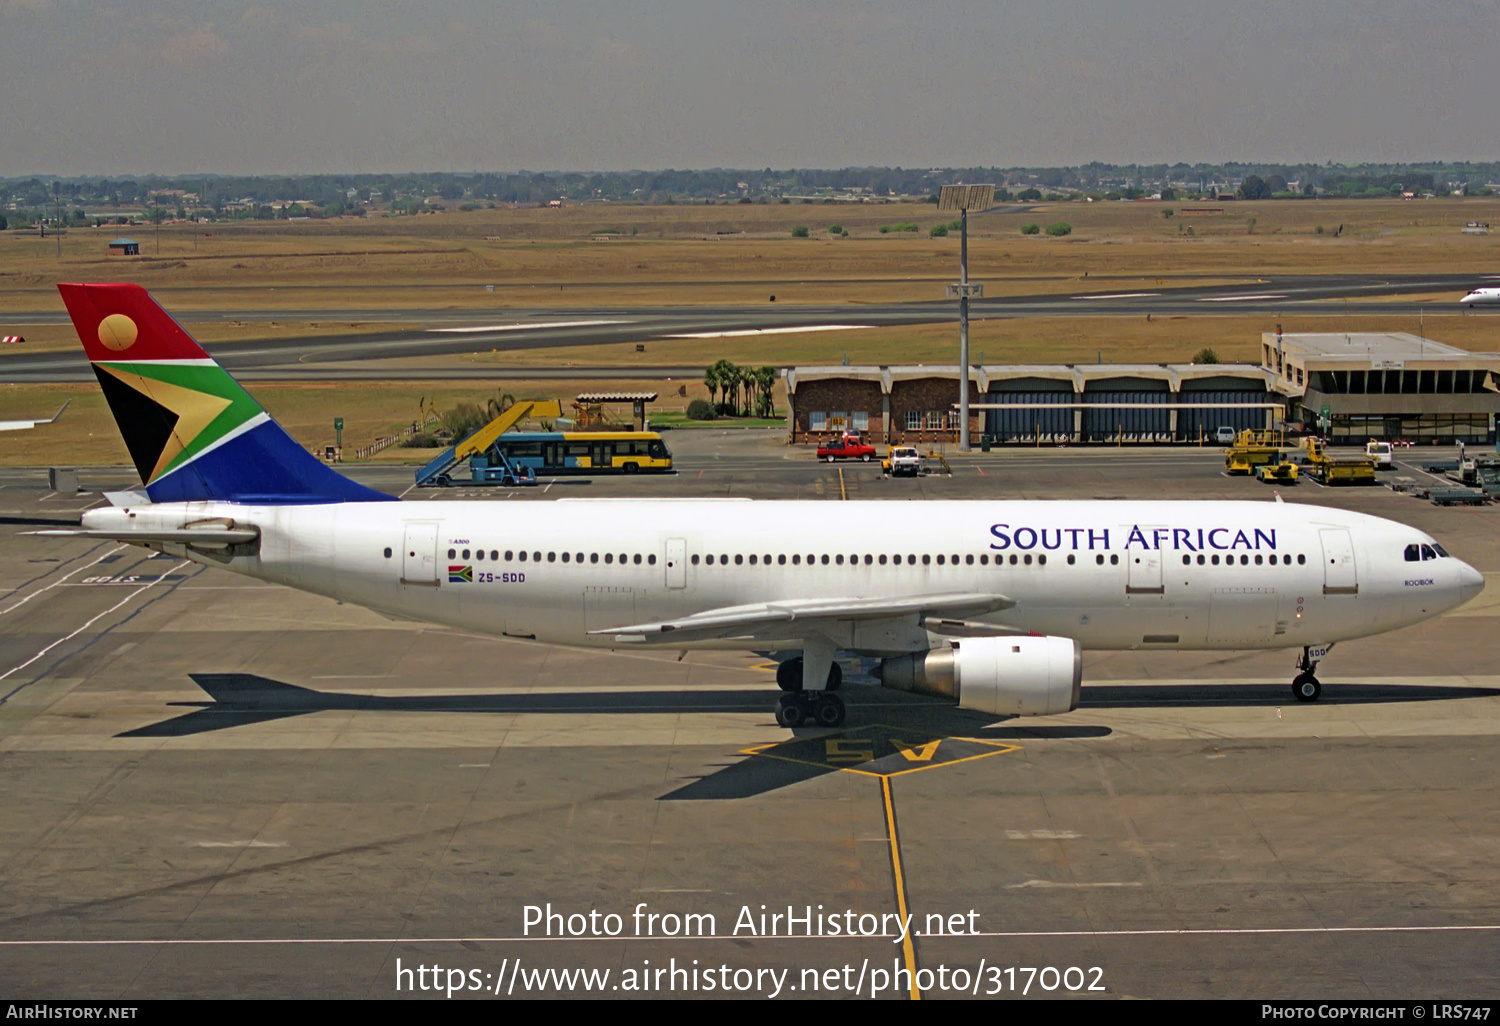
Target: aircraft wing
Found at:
795, 617
22, 425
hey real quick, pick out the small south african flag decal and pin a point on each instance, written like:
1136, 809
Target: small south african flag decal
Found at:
460, 575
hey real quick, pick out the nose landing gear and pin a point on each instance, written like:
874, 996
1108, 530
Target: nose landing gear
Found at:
1305, 686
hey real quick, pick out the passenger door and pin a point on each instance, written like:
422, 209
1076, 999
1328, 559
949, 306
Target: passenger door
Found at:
1340, 576
419, 563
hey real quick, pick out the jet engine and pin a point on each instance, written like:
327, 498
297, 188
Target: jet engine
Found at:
1024, 675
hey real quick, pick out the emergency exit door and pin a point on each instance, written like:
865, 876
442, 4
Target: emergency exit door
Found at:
419, 555
676, 563
1143, 571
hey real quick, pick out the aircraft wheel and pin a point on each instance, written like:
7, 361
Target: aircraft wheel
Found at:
790, 714
835, 677
789, 675
830, 711
1306, 688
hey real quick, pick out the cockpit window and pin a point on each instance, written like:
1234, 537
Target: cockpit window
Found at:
1427, 552
1440, 550
1413, 553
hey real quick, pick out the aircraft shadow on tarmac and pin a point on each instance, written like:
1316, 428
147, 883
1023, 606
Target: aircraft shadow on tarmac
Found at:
241, 699
1170, 696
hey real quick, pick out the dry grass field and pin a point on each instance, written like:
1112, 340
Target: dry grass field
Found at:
1000, 341
541, 258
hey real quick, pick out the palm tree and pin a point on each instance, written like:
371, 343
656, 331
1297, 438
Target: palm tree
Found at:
711, 379
728, 377
765, 380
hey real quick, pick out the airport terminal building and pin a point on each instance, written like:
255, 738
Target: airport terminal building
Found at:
1030, 403
1388, 385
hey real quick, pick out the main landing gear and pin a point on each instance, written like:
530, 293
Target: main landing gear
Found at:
800, 707
789, 675
1305, 686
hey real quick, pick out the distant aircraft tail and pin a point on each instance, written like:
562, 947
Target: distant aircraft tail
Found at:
192, 431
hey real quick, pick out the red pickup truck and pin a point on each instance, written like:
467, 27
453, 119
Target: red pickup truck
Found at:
848, 447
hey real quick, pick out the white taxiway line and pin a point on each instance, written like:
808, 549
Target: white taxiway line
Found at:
1120, 295
61, 580
93, 619
1239, 299
523, 326
1227, 931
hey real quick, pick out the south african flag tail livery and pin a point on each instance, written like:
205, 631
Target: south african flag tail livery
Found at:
193, 433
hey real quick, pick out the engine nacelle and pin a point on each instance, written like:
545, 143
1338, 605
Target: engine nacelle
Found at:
1024, 675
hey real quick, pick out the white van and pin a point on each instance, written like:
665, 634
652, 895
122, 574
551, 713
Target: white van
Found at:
1380, 452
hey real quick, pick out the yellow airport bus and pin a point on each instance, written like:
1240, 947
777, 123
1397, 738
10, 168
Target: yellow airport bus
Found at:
586, 452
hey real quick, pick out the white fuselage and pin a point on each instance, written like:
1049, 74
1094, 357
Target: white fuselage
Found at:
1482, 297
1112, 575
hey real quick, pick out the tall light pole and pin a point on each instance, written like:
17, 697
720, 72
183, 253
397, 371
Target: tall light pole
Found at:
964, 198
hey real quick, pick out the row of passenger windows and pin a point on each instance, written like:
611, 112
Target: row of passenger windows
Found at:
552, 557
1285, 560
796, 559
838, 559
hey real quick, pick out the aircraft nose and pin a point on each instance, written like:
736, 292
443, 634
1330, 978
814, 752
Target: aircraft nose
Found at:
1470, 582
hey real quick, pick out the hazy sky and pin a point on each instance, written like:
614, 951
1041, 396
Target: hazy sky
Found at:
365, 85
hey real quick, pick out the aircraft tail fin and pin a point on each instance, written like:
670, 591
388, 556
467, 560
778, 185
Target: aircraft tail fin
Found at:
192, 431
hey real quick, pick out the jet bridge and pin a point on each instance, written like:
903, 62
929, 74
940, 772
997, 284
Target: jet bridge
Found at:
487, 464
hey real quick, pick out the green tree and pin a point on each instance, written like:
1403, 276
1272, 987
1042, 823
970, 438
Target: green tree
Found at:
711, 382
721, 377
800, 232
1029, 195
463, 420
1206, 355
835, 229
938, 231
1254, 188
1030, 229
4, 224
1060, 229
765, 384
1169, 195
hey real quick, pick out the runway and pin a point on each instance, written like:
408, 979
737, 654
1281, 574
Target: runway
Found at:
223, 788
449, 331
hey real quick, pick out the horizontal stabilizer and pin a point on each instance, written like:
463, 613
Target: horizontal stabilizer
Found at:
203, 538
790, 619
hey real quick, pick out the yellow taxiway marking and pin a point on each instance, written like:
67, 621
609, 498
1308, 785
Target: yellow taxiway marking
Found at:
908, 950
881, 751
885, 752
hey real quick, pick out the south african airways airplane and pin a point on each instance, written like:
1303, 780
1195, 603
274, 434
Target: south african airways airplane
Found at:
987, 603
